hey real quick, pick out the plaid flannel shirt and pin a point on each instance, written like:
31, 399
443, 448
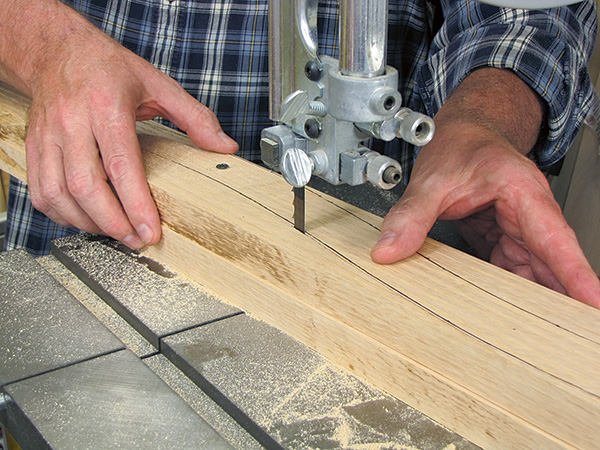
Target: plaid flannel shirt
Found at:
217, 50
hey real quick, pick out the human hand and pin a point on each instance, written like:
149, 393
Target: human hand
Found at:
502, 205
82, 148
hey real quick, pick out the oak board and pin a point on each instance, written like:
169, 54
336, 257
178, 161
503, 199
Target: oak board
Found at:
504, 362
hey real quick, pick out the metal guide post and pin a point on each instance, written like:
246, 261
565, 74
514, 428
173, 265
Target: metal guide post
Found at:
328, 109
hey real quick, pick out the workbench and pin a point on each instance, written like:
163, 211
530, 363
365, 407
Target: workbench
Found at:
101, 347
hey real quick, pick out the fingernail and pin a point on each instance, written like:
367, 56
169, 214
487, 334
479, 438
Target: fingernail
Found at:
145, 233
386, 239
226, 139
132, 241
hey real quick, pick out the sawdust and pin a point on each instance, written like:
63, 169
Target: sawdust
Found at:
150, 297
298, 397
334, 409
36, 314
293, 393
126, 334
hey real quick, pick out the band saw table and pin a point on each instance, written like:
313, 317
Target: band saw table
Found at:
102, 347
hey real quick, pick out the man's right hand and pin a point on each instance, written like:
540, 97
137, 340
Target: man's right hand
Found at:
475, 173
87, 94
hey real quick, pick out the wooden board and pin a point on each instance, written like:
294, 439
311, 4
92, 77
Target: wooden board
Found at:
5, 182
502, 361
13, 115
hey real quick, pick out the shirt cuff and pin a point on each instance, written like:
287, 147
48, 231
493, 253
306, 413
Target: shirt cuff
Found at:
547, 49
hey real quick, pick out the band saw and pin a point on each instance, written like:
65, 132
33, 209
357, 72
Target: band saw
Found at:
104, 348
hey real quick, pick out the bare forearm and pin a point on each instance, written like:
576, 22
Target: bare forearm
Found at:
31, 32
500, 101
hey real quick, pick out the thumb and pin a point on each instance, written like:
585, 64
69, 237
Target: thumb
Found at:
405, 228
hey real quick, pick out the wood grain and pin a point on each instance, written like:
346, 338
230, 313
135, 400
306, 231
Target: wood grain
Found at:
502, 361
5, 183
13, 120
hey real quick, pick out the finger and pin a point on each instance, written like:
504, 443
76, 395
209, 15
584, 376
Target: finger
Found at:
405, 227
513, 251
33, 164
500, 259
544, 276
122, 159
566, 261
60, 206
47, 188
548, 236
513, 257
480, 231
88, 184
198, 121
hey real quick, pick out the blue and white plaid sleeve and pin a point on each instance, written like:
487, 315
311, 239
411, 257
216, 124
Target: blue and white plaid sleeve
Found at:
548, 49
28, 228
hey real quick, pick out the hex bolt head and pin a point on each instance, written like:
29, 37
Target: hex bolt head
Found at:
392, 175
416, 128
385, 101
312, 128
384, 172
313, 70
389, 103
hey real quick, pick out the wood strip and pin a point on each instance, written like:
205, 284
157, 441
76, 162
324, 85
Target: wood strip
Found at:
253, 183
502, 361
450, 403
5, 182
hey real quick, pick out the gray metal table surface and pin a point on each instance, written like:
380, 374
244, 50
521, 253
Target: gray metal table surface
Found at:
109, 402
36, 313
256, 386
67, 382
147, 295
